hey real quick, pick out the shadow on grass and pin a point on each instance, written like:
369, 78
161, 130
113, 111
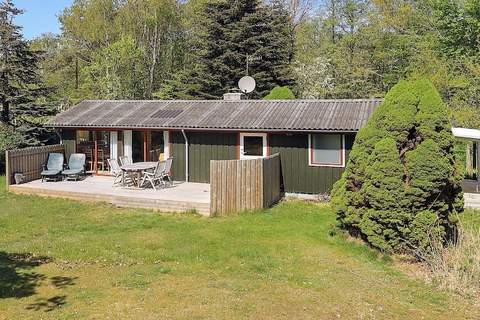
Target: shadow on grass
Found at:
48, 305
16, 278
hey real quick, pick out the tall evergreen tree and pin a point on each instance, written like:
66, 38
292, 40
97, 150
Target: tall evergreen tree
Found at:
233, 34
20, 82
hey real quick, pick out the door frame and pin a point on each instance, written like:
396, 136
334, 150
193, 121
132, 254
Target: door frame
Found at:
264, 137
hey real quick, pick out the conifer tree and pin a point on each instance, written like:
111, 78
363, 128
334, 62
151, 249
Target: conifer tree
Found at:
402, 185
20, 82
232, 34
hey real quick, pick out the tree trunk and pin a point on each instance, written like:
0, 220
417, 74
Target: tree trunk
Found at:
5, 116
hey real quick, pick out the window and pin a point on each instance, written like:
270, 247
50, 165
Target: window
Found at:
471, 172
253, 145
327, 150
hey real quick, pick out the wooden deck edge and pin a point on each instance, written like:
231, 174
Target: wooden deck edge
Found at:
159, 205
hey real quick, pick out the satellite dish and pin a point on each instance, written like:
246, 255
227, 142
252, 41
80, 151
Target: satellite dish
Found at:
246, 84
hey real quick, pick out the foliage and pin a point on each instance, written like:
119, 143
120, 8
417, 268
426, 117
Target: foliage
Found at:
229, 35
363, 47
9, 139
117, 71
20, 82
402, 183
280, 93
23, 94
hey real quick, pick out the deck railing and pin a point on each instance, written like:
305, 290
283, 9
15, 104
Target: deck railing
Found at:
240, 185
28, 161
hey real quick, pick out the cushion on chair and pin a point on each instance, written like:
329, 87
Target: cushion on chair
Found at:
55, 161
72, 171
77, 161
50, 172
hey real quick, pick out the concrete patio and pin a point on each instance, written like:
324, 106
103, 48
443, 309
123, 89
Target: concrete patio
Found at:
179, 198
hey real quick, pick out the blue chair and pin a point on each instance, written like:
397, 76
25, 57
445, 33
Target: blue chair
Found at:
76, 166
53, 168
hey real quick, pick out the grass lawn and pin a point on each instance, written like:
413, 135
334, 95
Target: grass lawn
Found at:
61, 259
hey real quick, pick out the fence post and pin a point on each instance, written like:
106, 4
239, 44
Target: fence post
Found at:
8, 174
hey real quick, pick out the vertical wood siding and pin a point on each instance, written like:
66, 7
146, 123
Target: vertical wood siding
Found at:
298, 176
239, 185
69, 140
28, 161
203, 147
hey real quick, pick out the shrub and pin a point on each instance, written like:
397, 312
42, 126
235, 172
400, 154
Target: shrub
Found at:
402, 181
280, 93
9, 139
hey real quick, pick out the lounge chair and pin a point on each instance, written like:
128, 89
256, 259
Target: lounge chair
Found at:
53, 168
76, 166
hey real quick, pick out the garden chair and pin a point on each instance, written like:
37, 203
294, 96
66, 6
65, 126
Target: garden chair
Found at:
155, 176
124, 160
116, 171
53, 168
167, 171
76, 166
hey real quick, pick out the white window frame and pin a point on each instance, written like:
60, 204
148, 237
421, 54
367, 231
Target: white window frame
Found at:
253, 134
166, 142
332, 165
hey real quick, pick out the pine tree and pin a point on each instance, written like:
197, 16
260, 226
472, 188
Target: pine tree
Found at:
20, 82
232, 33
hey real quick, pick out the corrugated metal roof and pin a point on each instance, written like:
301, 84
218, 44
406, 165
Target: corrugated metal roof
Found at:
274, 115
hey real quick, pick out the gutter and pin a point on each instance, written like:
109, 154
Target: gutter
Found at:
87, 127
186, 155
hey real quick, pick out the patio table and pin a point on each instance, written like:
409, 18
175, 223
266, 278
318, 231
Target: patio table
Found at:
135, 171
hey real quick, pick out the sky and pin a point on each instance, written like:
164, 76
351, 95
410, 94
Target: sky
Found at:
40, 16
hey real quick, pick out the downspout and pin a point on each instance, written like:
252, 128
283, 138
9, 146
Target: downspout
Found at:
186, 155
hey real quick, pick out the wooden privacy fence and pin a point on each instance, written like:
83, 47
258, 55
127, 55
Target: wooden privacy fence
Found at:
28, 161
239, 185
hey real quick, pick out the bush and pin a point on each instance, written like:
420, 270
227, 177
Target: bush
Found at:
9, 139
280, 93
402, 182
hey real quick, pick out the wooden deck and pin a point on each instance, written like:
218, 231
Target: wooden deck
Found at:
179, 198
472, 200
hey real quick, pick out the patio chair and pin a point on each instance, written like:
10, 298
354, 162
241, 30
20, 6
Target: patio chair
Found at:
125, 160
167, 171
53, 168
76, 166
115, 170
155, 176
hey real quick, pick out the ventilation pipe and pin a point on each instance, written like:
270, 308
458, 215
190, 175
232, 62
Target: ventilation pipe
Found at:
186, 155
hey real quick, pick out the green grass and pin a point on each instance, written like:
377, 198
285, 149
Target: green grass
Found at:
61, 259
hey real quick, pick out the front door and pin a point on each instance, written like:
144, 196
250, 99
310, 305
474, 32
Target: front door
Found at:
253, 145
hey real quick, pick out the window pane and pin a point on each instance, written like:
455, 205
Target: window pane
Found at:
253, 146
471, 172
137, 146
327, 149
156, 146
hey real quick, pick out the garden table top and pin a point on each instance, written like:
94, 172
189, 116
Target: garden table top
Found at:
139, 166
